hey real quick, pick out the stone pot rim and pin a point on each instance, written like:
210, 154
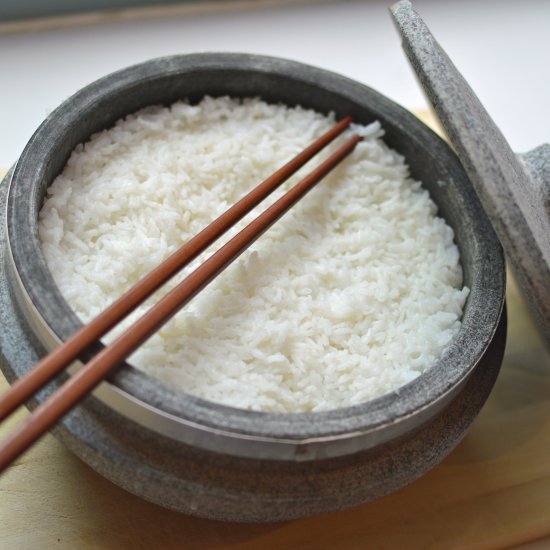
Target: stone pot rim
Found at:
282, 436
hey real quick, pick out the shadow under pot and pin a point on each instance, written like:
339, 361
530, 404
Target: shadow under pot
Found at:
219, 462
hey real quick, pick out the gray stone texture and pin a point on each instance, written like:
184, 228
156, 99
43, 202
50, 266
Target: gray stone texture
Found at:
228, 463
514, 189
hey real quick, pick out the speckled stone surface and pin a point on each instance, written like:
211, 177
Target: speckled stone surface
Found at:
514, 189
228, 463
218, 486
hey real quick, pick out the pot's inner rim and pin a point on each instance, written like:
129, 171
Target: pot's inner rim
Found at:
481, 255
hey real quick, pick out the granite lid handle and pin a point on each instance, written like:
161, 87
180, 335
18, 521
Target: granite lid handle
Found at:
513, 189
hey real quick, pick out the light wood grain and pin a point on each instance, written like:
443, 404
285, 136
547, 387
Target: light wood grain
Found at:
493, 491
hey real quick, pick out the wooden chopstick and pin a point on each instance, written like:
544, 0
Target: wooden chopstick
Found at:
91, 374
45, 370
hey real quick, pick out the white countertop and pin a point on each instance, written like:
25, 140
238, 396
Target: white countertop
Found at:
502, 48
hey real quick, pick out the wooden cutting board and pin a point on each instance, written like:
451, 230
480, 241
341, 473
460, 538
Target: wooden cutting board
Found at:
493, 491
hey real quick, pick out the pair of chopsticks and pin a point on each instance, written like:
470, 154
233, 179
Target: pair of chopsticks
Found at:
93, 372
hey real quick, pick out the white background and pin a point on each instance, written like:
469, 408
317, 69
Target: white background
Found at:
502, 48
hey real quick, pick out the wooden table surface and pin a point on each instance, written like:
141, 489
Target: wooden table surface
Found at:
493, 491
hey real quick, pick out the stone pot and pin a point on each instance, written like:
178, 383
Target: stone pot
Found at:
214, 461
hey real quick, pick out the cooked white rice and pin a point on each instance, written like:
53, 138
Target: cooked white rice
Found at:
353, 293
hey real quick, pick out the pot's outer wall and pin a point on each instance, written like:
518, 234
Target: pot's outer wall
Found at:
221, 487
331, 460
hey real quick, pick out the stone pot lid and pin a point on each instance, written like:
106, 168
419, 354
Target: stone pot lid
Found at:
514, 189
